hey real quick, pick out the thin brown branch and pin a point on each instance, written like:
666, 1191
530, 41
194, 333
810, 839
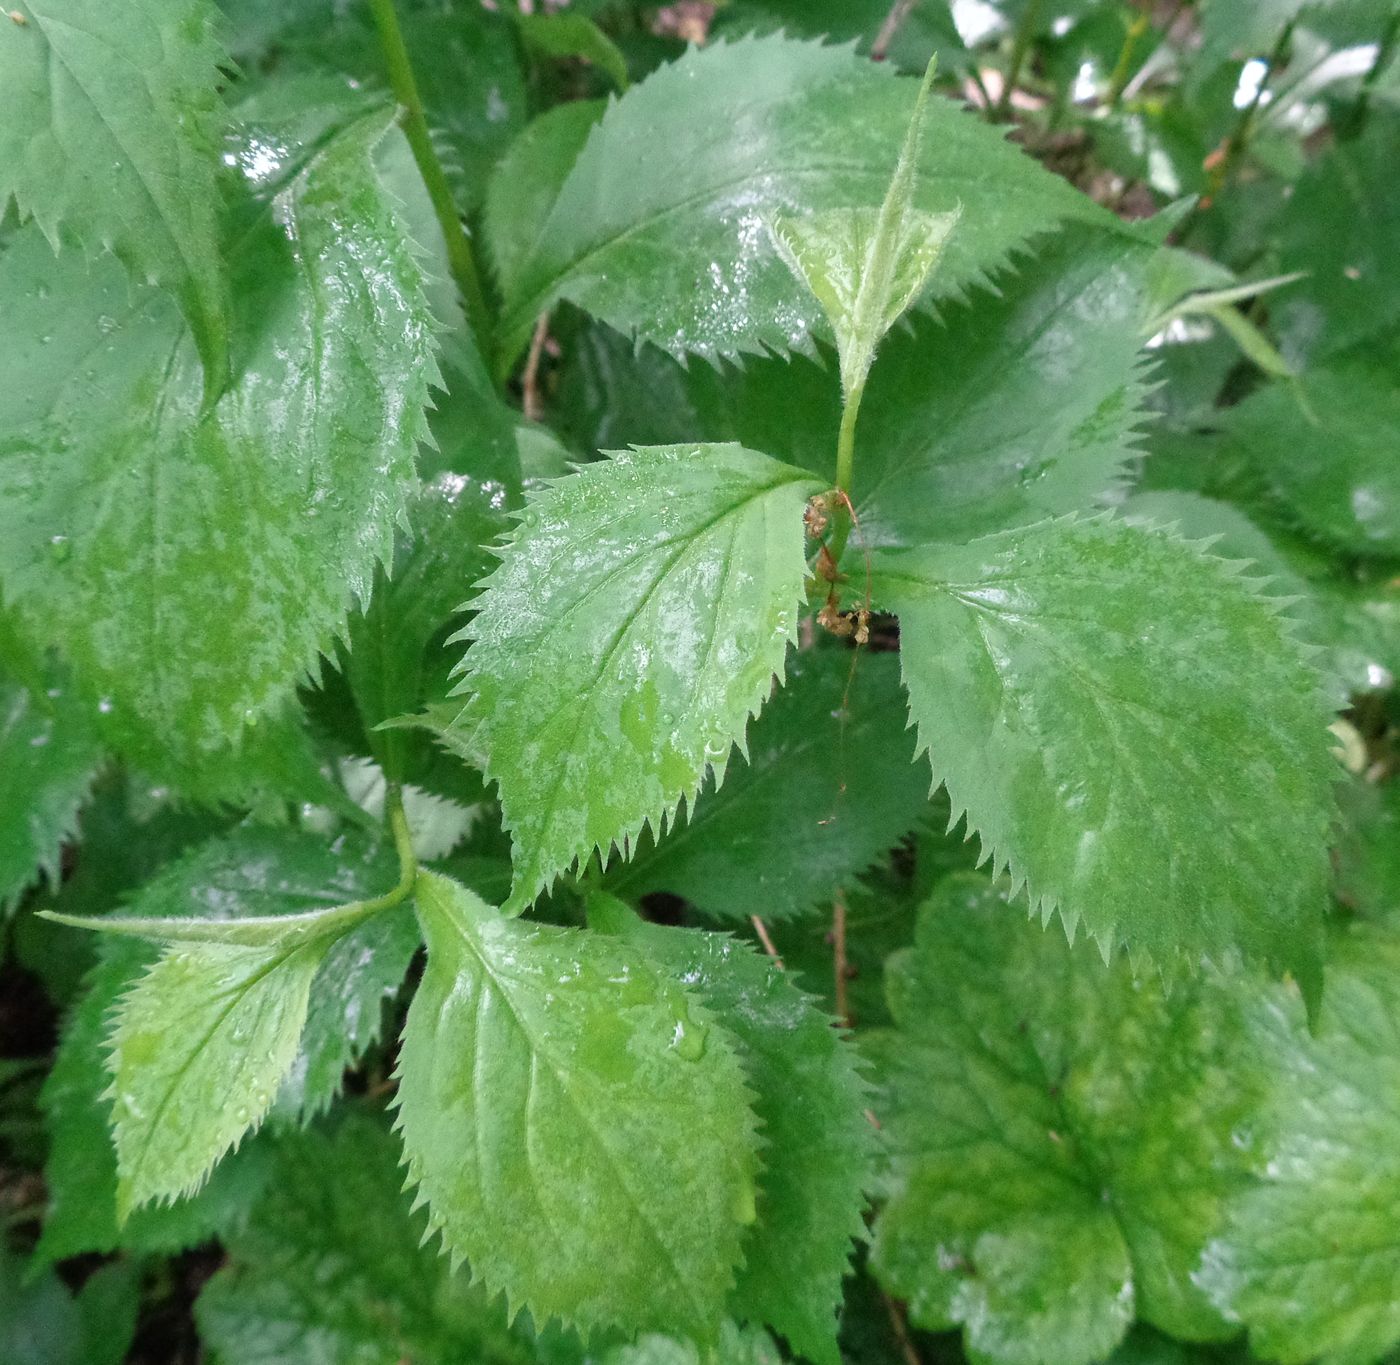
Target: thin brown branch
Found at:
899, 12
764, 938
531, 401
841, 969
900, 1325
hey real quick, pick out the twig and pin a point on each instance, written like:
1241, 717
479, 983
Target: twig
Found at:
899, 12
764, 938
901, 1330
1020, 46
531, 401
840, 966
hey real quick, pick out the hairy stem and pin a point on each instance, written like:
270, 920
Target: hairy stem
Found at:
461, 258
845, 468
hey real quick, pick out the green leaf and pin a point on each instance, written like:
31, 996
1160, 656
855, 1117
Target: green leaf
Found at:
1311, 1256
827, 788
1128, 728
634, 625
1064, 1136
660, 228
1327, 448
41, 1323
200, 1046
1340, 225
193, 561
736, 1346
1012, 407
867, 265
464, 63
573, 35
81, 1171
558, 1094
810, 1104
330, 1268
110, 141
49, 756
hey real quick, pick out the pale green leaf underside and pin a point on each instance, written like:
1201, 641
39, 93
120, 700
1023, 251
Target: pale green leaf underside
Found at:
661, 226
811, 1106
110, 139
48, 756
1130, 729
558, 1095
192, 562
1064, 1137
200, 1047
634, 625
827, 786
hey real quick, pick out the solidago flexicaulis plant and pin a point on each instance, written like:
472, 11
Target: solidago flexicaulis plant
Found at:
254, 431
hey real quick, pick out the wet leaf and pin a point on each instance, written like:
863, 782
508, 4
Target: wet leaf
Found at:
810, 1104
191, 562
636, 622
660, 228
110, 140
559, 1093
828, 786
1064, 1136
1098, 700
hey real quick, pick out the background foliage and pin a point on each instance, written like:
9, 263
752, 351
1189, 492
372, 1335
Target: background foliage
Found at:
935, 922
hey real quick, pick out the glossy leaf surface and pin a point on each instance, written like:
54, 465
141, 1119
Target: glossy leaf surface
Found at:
110, 140
192, 561
810, 1105
1051, 671
49, 756
660, 228
827, 787
636, 622
1064, 1136
559, 1093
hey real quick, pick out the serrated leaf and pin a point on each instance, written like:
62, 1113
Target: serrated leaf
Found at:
80, 1173
736, 1346
330, 1268
559, 1093
110, 139
1064, 1136
826, 789
1130, 729
1311, 1256
250, 875
191, 562
1008, 409
1326, 446
49, 756
810, 1103
634, 625
659, 229
200, 1046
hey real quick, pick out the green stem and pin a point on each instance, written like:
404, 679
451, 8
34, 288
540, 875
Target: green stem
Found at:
461, 259
845, 468
1122, 68
1385, 50
1249, 116
1021, 45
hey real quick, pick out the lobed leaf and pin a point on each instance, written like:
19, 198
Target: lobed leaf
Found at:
559, 1093
191, 560
1064, 1137
634, 625
1128, 728
826, 789
110, 141
660, 227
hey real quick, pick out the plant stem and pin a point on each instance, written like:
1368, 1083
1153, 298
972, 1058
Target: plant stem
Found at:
1249, 115
1030, 16
461, 258
1124, 65
845, 467
1385, 50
